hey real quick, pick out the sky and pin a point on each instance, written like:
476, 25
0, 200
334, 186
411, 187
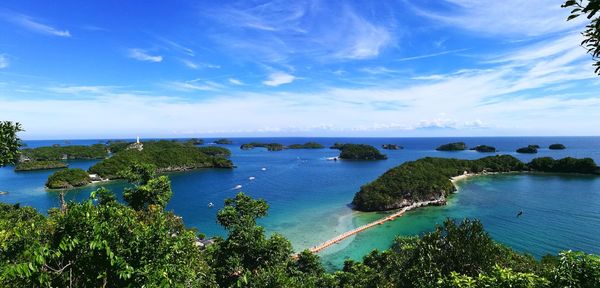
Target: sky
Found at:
398, 68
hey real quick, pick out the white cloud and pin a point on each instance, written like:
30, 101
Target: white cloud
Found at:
4, 62
141, 55
378, 70
194, 85
279, 78
507, 17
32, 25
235, 81
80, 89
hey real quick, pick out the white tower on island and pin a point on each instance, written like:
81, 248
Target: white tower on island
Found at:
138, 140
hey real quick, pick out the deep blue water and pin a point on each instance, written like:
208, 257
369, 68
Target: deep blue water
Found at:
308, 195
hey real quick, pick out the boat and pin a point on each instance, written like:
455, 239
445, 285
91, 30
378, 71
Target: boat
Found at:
263, 169
210, 205
251, 178
237, 187
3, 192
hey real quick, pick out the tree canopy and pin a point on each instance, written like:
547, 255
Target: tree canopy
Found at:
9, 142
591, 34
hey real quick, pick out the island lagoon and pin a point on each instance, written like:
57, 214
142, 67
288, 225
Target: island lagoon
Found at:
309, 195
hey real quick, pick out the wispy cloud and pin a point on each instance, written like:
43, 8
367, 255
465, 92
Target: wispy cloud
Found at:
4, 62
235, 81
194, 85
195, 65
279, 78
32, 24
141, 55
177, 46
430, 55
509, 17
377, 70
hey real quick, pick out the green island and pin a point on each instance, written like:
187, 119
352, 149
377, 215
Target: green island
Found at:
68, 178
391, 147
269, 146
360, 152
429, 179
557, 147
56, 153
307, 145
166, 156
456, 146
484, 148
531, 149
223, 141
195, 141
40, 165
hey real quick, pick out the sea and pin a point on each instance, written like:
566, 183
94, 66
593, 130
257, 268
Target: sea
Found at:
309, 195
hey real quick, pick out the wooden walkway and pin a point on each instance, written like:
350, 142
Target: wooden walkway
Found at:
337, 239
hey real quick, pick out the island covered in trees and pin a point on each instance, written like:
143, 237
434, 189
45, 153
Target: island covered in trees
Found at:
223, 141
55, 153
307, 145
428, 179
68, 178
531, 149
484, 148
269, 146
557, 147
391, 147
360, 152
166, 156
40, 165
456, 146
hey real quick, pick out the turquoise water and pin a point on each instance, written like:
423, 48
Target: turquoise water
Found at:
308, 195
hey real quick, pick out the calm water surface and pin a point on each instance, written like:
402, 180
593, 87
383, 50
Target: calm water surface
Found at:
308, 195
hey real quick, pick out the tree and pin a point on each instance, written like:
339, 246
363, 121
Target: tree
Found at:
591, 43
9, 142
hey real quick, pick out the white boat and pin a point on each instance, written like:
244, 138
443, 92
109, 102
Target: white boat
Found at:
210, 205
237, 187
263, 169
251, 178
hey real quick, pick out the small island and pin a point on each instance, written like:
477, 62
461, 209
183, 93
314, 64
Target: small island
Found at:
57, 153
456, 146
68, 178
484, 148
428, 180
557, 147
531, 149
40, 165
223, 141
166, 156
337, 146
307, 145
360, 152
195, 141
269, 146
391, 147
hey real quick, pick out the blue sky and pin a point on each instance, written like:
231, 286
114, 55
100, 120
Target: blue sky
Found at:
104, 69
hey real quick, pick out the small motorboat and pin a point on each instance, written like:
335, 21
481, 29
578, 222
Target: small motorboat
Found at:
210, 205
263, 169
3, 192
251, 178
237, 187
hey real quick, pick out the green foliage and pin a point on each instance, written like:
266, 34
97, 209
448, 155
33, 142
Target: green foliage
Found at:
98, 246
166, 156
55, 153
269, 146
557, 147
40, 165
9, 142
149, 190
68, 178
115, 146
484, 148
307, 145
591, 43
531, 149
575, 269
456, 146
565, 165
223, 141
337, 146
215, 151
360, 152
195, 141
498, 278
425, 179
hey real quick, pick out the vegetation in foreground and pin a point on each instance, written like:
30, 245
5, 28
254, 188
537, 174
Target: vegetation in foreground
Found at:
360, 152
166, 156
40, 165
429, 178
456, 146
68, 178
